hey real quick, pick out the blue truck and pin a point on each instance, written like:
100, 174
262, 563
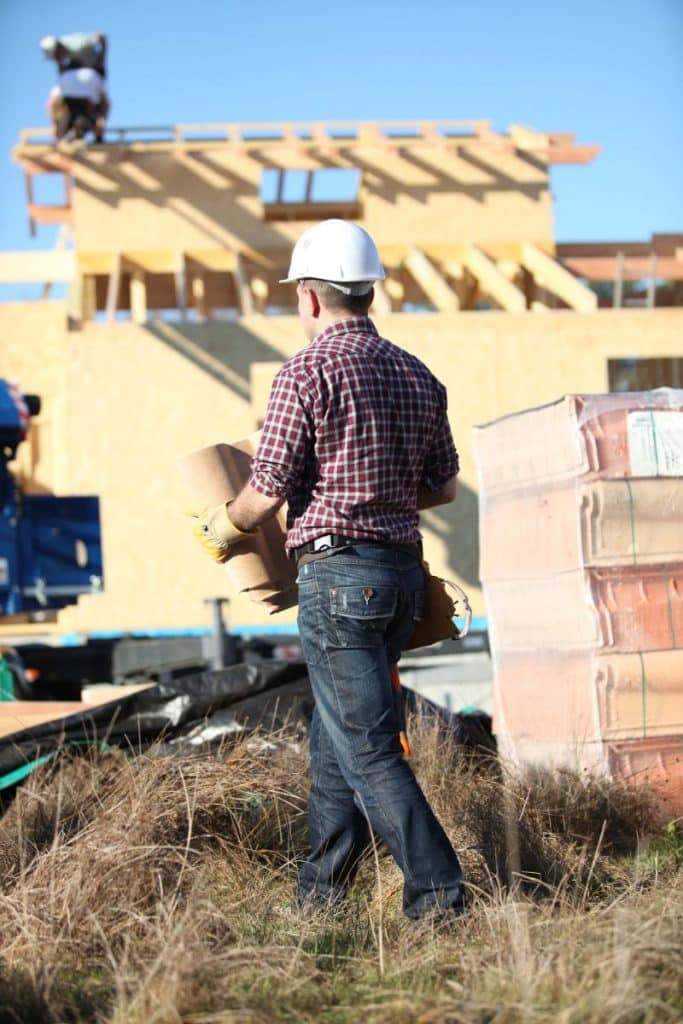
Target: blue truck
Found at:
50, 546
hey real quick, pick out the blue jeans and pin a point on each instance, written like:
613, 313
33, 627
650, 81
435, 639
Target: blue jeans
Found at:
357, 609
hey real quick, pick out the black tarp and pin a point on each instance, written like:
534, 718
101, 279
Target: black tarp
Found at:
199, 707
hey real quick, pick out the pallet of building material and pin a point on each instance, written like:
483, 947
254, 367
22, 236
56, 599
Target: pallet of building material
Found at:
259, 566
655, 762
622, 609
585, 698
627, 434
581, 524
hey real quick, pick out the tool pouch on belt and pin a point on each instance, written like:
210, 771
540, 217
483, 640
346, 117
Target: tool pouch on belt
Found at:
439, 610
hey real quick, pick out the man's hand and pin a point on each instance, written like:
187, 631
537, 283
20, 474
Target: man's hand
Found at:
217, 533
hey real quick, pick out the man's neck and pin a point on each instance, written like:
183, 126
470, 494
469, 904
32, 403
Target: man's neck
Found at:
328, 319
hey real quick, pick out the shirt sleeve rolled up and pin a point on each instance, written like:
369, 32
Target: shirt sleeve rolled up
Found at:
278, 465
441, 462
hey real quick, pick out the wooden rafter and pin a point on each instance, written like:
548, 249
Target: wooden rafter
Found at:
431, 281
492, 280
327, 138
549, 274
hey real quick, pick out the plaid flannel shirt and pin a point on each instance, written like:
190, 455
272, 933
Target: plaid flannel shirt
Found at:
354, 426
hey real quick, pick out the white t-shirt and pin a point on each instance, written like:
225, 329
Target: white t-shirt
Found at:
79, 84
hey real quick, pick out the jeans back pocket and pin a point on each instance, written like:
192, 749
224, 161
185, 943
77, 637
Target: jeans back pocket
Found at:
363, 602
360, 615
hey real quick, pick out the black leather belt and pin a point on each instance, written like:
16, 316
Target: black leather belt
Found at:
330, 541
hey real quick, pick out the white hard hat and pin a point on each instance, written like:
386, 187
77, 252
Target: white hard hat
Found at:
48, 45
339, 252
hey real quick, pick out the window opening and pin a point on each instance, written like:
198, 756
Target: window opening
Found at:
310, 194
635, 374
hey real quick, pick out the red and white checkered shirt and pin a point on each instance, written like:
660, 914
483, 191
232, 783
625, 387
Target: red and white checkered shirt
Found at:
354, 426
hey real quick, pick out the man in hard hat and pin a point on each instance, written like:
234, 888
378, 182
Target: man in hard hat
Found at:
356, 440
77, 50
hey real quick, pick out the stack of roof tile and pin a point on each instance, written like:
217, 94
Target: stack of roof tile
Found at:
581, 540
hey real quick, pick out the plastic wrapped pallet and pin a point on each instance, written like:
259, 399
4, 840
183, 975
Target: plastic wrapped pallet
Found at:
581, 542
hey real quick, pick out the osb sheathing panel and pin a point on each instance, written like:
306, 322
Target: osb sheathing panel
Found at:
211, 198
134, 397
33, 355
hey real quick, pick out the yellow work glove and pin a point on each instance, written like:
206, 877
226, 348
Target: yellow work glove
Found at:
217, 533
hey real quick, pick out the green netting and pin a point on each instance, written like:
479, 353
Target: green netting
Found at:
6, 681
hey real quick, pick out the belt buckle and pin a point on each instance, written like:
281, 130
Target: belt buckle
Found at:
322, 543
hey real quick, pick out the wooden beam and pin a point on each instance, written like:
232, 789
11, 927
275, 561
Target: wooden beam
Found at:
180, 279
549, 274
152, 261
74, 302
95, 262
392, 256
88, 297
493, 281
215, 260
557, 154
198, 290
138, 297
381, 303
553, 148
28, 181
49, 213
113, 288
241, 276
431, 281
39, 267
260, 292
528, 138
63, 235
394, 289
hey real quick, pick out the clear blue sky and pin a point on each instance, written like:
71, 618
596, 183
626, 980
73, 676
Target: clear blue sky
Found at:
609, 70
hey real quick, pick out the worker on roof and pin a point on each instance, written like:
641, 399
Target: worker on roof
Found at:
77, 50
79, 103
356, 439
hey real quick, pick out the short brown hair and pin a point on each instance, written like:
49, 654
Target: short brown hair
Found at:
336, 301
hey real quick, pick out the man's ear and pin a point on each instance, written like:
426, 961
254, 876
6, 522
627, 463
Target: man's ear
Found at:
313, 302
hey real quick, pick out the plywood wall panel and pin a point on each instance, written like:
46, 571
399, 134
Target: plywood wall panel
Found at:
122, 401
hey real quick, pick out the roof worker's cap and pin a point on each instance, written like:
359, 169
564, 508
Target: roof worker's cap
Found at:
338, 252
48, 45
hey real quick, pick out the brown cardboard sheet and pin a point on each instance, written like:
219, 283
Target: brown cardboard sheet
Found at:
16, 715
259, 566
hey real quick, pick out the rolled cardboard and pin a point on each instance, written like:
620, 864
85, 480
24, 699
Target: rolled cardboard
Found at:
259, 565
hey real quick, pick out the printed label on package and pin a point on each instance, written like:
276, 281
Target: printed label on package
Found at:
655, 443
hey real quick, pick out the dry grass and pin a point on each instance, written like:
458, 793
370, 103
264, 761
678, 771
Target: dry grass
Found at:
139, 889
